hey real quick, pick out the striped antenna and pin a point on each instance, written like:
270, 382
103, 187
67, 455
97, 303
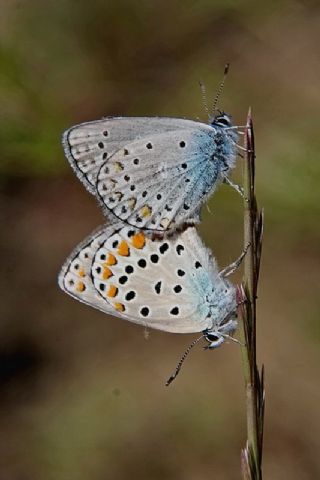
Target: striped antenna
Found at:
204, 98
182, 359
225, 73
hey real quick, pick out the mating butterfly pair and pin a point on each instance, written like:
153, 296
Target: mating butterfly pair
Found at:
149, 266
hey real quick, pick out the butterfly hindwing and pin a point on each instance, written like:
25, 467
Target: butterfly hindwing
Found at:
152, 173
75, 276
149, 281
160, 181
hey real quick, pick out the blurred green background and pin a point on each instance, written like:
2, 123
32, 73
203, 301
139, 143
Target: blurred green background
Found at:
82, 396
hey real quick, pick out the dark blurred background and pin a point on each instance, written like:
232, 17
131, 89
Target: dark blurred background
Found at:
82, 396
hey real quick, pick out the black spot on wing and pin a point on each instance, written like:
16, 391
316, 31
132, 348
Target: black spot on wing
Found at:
130, 295
179, 249
142, 263
145, 311
154, 258
174, 311
163, 248
157, 287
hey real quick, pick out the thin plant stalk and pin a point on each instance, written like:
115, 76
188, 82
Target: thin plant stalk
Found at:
251, 455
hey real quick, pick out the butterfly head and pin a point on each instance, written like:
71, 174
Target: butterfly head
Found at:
223, 312
222, 120
217, 335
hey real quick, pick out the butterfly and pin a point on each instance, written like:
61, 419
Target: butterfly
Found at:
154, 173
171, 284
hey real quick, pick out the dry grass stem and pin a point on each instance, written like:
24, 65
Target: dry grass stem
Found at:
251, 457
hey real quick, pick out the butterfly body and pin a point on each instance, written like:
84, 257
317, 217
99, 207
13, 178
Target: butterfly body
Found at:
171, 284
152, 173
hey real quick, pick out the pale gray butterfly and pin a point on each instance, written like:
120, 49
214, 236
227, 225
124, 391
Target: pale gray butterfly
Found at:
171, 284
153, 172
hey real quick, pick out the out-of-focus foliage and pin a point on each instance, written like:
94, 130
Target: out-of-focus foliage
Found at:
82, 395
75, 60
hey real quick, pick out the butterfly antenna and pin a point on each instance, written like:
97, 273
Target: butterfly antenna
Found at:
204, 97
225, 73
182, 359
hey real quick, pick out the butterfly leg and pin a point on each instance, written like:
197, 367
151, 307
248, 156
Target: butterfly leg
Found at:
243, 148
236, 127
234, 265
240, 147
236, 187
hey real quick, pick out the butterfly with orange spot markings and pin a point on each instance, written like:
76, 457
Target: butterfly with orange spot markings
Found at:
172, 284
152, 173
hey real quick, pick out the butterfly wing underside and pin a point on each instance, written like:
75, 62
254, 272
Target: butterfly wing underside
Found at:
160, 181
149, 172
152, 283
75, 275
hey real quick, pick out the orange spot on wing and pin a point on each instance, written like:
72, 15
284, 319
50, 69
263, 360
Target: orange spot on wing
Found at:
82, 272
123, 249
145, 211
119, 307
107, 273
111, 260
112, 292
138, 240
80, 287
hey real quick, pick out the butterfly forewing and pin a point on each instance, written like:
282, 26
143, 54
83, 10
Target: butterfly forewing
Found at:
89, 144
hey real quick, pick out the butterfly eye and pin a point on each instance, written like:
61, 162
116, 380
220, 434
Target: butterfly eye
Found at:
211, 337
222, 120
214, 340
